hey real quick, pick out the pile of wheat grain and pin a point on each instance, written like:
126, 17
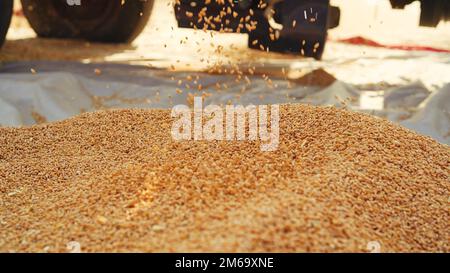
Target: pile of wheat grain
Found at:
116, 181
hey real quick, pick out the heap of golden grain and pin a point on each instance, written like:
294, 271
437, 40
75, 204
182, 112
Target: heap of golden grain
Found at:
116, 181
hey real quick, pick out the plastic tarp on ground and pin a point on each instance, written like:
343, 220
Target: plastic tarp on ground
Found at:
51, 95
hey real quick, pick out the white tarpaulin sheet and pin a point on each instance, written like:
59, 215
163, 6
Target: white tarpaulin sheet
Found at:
49, 95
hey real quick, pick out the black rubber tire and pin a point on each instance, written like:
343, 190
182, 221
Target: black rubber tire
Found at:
6, 9
108, 21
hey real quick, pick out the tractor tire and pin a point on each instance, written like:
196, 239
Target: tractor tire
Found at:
110, 21
6, 9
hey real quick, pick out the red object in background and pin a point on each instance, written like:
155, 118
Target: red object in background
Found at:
358, 40
18, 12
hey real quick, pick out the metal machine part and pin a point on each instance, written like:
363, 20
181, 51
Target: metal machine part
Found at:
288, 26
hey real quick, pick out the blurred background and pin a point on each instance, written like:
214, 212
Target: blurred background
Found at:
379, 61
